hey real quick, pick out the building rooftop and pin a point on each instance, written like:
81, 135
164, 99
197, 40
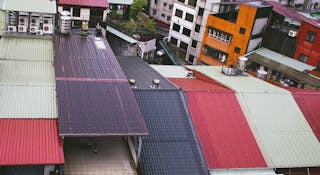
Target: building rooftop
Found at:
171, 147
142, 73
38, 6
88, 3
94, 96
275, 119
224, 133
30, 142
171, 71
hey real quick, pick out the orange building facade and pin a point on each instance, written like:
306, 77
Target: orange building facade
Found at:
230, 35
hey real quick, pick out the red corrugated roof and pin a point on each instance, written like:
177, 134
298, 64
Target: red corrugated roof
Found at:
194, 84
224, 133
89, 3
222, 128
30, 142
309, 101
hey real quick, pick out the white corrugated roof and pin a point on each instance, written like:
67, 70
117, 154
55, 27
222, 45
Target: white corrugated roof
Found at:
280, 129
26, 73
291, 62
243, 172
121, 2
40, 6
170, 71
26, 49
28, 101
121, 35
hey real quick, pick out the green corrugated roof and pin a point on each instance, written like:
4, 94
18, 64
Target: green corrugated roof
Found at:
26, 73
39, 6
280, 129
28, 101
26, 49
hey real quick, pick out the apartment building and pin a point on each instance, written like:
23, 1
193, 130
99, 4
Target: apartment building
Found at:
230, 35
189, 18
161, 10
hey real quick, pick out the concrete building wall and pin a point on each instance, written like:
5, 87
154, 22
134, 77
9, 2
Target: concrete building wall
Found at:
161, 10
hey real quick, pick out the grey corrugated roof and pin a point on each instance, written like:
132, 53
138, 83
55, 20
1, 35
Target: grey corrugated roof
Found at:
135, 68
40, 6
172, 147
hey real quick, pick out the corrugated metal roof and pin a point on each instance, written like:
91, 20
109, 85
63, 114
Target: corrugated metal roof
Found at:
76, 56
2, 21
26, 49
123, 2
89, 3
98, 108
170, 71
309, 101
195, 84
29, 141
243, 172
111, 157
121, 35
224, 133
291, 62
142, 73
281, 131
172, 147
40, 6
28, 101
26, 73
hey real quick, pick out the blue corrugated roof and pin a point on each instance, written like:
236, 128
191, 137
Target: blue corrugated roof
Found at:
171, 147
135, 68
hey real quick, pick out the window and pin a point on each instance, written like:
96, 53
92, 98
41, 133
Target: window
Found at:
242, 30
219, 35
192, 2
197, 28
76, 12
194, 43
181, 1
183, 45
164, 4
168, 18
318, 67
173, 41
154, 11
310, 36
237, 50
170, 7
190, 59
67, 8
163, 15
155, 1
303, 58
176, 27
189, 17
178, 13
215, 53
200, 12
186, 31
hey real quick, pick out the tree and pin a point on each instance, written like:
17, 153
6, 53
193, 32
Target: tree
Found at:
136, 8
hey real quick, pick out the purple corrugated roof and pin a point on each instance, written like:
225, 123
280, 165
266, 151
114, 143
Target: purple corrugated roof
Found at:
85, 57
98, 109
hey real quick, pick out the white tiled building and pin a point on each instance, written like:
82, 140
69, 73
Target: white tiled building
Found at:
161, 10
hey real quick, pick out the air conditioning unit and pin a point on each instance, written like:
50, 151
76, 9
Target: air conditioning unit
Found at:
39, 32
48, 29
22, 28
292, 33
12, 29
23, 19
47, 20
34, 21
34, 29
